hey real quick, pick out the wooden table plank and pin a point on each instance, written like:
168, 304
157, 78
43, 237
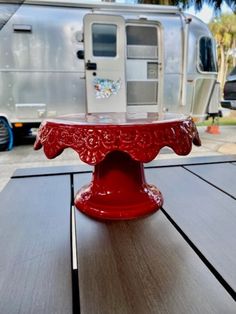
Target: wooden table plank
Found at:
58, 170
188, 160
221, 175
47, 171
206, 215
35, 264
142, 266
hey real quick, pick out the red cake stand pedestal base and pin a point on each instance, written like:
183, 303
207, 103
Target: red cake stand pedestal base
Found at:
117, 145
118, 190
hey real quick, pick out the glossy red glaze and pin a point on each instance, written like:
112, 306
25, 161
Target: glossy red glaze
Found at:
118, 190
117, 146
142, 140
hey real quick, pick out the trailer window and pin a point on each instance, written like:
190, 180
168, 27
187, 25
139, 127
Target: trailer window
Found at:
142, 42
104, 40
141, 36
207, 57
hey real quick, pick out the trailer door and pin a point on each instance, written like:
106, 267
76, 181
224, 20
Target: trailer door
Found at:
104, 44
143, 67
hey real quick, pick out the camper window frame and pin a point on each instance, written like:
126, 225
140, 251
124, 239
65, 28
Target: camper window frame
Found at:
143, 26
199, 57
94, 42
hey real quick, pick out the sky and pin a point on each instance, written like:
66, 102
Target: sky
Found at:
206, 13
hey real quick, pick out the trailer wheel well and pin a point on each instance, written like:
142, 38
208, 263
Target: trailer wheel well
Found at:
6, 135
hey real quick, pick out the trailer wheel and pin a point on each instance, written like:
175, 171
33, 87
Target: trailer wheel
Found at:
6, 135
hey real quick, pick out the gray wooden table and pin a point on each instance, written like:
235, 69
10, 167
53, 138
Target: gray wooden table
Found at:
182, 259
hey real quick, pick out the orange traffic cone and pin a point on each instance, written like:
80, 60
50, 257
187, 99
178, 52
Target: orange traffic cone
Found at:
213, 129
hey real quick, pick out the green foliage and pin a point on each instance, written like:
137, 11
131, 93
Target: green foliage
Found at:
198, 4
224, 30
222, 121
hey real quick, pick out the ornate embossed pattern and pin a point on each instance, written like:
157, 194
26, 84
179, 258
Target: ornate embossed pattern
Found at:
94, 142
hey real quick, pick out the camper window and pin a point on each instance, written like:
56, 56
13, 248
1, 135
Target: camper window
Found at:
141, 36
104, 40
207, 59
142, 42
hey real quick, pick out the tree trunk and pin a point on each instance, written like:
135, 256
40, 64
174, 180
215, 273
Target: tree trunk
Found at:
222, 67
160, 2
234, 56
165, 2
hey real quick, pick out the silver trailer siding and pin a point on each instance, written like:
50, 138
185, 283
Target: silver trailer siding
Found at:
40, 72
43, 72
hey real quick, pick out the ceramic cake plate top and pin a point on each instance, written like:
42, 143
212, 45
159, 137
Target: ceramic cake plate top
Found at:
141, 135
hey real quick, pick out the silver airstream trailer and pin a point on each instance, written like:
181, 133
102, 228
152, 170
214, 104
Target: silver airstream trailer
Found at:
61, 57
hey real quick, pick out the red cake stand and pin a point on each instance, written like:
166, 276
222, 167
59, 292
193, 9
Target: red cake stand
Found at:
118, 144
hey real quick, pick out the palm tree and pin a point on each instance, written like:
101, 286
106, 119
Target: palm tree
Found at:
224, 31
198, 4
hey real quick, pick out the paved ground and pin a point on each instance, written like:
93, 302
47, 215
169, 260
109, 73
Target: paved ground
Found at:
23, 156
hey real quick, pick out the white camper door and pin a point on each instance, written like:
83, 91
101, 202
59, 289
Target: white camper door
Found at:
104, 51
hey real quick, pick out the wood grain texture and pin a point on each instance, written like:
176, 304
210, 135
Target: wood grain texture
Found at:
35, 266
206, 215
188, 160
221, 175
142, 266
56, 170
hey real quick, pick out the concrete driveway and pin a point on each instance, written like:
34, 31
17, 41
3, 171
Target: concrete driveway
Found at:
23, 156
